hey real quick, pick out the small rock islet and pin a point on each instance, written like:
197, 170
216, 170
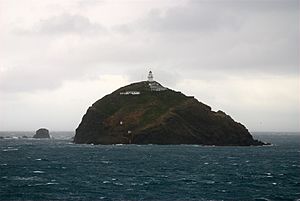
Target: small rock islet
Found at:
42, 133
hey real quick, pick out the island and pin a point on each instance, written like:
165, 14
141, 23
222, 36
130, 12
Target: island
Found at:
42, 133
148, 113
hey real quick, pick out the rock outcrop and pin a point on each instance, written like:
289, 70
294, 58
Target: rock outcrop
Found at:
139, 114
42, 133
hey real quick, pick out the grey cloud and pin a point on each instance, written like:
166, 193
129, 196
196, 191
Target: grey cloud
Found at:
204, 16
89, 3
122, 29
66, 23
211, 16
232, 36
24, 79
189, 19
253, 5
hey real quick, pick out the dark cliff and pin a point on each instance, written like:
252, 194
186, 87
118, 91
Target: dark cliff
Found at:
150, 114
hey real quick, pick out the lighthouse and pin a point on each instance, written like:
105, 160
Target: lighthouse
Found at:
150, 76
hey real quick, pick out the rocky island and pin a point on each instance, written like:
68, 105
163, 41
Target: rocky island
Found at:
42, 133
148, 113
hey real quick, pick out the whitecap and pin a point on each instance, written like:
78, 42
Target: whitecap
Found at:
43, 184
205, 163
52, 183
208, 181
274, 183
262, 199
106, 182
118, 184
17, 178
38, 159
10, 149
38, 172
268, 145
4, 164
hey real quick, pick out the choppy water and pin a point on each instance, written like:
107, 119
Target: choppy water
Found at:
59, 170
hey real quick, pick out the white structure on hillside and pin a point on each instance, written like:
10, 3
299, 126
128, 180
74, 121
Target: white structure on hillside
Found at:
154, 86
130, 93
150, 76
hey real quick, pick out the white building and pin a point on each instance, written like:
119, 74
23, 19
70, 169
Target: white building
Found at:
130, 93
150, 76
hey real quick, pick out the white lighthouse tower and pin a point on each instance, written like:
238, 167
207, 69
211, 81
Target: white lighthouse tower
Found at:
150, 76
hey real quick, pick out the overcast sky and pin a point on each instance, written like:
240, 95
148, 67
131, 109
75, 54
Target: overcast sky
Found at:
57, 57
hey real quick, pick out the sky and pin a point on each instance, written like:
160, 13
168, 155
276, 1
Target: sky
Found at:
57, 57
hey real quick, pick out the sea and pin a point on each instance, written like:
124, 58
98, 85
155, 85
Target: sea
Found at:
57, 169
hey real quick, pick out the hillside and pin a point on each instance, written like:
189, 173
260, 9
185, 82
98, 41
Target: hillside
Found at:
147, 113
